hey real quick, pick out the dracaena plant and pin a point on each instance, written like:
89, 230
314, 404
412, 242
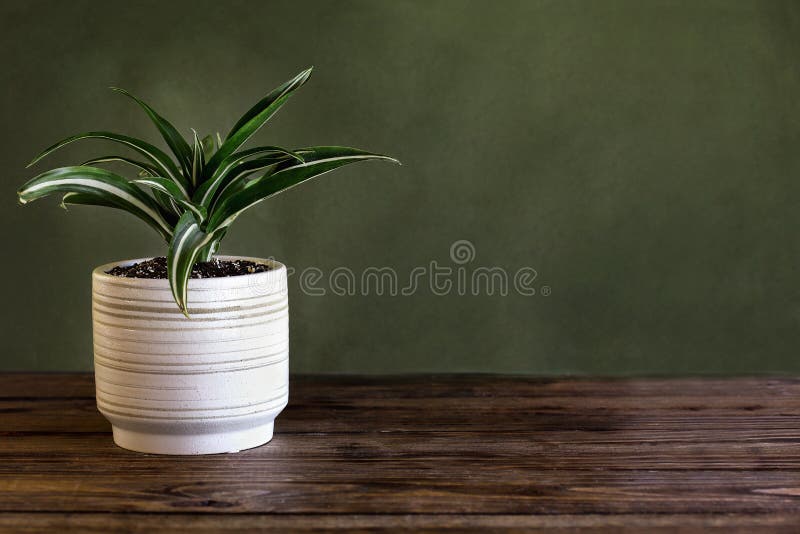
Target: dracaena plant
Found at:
192, 198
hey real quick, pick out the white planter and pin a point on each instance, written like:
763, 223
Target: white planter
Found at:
212, 383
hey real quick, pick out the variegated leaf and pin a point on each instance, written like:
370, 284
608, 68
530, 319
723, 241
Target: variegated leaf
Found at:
187, 242
162, 162
255, 118
231, 168
208, 146
169, 188
150, 170
318, 161
173, 138
107, 187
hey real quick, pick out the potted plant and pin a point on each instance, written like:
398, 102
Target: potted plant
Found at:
191, 350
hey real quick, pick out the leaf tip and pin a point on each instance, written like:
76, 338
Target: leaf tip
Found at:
390, 159
180, 300
305, 75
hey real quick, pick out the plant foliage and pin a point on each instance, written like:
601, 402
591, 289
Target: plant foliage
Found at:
193, 196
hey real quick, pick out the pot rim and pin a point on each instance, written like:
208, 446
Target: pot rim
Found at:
278, 270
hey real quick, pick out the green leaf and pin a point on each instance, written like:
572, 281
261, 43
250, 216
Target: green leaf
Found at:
208, 146
318, 160
198, 160
207, 252
184, 248
233, 165
165, 201
169, 188
87, 200
238, 175
255, 118
168, 212
174, 139
107, 188
162, 162
164, 185
143, 167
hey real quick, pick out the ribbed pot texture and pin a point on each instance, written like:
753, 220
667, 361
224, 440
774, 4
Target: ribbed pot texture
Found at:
211, 383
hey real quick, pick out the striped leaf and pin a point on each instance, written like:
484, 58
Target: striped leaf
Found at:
168, 187
232, 166
170, 213
173, 138
208, 146
198, 160
86, 200
318, 161
150, 170
238, 176
162, 162
145, 170
255, 119
107, 188
187, 242
207, 252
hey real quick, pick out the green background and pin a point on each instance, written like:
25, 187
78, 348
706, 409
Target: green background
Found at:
642, 156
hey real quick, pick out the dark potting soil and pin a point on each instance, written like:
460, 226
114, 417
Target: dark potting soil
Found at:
157, 268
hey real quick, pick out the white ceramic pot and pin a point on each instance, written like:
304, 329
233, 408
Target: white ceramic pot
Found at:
211, 383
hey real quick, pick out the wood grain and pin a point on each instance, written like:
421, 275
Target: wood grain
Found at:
417, 523
424, 453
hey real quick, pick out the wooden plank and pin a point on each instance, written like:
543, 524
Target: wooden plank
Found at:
321, 455
344, 410
81, 415
313, 387
212, 523
405, 488
472, 385
439, 452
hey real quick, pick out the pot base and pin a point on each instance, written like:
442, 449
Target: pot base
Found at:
192, 444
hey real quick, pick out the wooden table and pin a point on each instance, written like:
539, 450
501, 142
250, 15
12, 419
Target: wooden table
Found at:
424, 453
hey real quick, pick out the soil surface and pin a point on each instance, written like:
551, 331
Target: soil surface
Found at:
157, 268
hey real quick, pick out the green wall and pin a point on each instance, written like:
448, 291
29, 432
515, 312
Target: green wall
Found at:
642, 156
